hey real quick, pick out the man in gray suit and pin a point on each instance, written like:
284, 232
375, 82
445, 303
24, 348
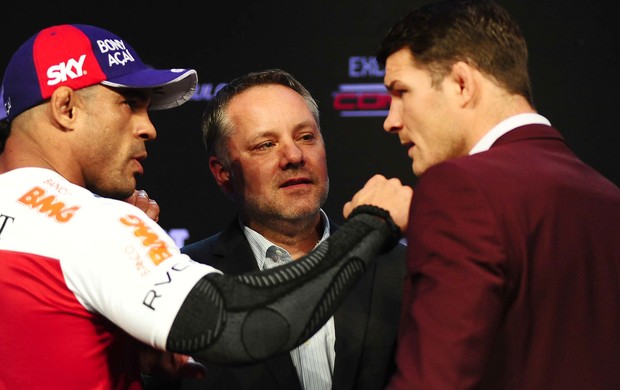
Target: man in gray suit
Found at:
267, 153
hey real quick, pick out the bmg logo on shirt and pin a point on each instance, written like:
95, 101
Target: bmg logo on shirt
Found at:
157, 249
38, 199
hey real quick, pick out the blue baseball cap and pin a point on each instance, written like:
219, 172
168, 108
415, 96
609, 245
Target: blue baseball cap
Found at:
78, 56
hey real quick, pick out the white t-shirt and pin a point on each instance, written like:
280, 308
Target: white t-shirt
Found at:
74, 268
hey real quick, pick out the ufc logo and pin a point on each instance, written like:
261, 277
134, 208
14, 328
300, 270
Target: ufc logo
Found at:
71, 69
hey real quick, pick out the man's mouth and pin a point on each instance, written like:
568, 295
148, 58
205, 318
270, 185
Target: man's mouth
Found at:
293, 182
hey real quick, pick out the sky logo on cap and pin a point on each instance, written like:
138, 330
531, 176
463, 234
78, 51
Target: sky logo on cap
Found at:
71, 69
63, 55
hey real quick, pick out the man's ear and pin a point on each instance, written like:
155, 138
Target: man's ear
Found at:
63, 105
221, 174
464, 82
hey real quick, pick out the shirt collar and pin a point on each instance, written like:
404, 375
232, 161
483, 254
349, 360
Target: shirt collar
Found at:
505, 126
259, 244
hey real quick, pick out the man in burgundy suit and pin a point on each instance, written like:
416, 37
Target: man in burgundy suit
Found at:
513, 241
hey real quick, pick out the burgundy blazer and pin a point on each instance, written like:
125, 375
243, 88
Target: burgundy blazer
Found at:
366, 323
513, 272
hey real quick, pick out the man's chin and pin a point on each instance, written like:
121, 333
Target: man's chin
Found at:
301, 213
120, 193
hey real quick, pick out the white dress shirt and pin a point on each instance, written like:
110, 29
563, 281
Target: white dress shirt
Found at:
314, 359
505, 126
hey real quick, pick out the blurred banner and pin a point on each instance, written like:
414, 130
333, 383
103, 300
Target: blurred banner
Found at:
330, 47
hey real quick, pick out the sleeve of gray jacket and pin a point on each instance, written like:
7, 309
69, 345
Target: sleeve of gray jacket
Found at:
253, 316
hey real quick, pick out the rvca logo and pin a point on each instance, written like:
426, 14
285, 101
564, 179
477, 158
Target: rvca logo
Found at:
71, 69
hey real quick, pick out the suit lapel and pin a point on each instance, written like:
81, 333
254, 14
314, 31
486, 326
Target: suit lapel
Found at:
351, 322
232, 255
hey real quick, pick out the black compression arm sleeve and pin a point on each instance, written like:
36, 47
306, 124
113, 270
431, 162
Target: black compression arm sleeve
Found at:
249, 317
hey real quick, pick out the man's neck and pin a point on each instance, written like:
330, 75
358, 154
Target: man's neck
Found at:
297, 237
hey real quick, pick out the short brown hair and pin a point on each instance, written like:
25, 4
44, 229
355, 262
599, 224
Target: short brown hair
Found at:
478, 32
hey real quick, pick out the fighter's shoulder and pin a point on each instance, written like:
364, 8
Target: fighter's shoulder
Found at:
51, 194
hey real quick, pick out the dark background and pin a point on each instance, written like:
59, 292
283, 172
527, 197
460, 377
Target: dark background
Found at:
574, 63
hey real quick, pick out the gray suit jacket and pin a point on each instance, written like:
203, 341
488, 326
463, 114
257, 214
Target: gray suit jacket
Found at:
366, 323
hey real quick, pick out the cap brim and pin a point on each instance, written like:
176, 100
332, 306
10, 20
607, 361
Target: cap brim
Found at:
170, 88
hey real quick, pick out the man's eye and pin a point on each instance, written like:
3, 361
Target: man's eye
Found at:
265, 145
133, 104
